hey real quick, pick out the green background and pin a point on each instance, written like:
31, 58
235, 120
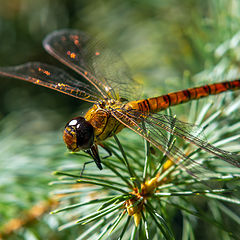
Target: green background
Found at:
169, 46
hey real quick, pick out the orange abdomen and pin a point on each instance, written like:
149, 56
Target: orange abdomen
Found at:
156, 104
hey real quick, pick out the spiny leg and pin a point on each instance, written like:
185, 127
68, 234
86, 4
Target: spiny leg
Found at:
107, 150
84, 165
93, 152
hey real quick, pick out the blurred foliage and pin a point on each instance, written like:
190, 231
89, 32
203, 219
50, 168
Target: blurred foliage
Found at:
169, 45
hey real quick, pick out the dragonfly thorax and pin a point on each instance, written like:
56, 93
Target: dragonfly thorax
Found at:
101, 118
105, 103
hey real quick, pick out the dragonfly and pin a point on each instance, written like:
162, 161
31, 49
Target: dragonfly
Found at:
105, 81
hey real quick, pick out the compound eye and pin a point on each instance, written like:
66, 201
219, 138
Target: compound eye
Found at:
78, 134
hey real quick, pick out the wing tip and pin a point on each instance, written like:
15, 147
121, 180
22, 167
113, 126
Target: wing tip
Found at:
59, 32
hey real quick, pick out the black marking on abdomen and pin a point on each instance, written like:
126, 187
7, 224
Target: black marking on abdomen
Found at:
207, 88
167, 99
186, 93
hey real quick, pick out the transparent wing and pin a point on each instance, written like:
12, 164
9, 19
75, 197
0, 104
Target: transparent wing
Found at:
155, 128
52, 77
100, 66
160, 140
190, 133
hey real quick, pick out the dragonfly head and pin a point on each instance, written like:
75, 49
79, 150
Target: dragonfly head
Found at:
78, 134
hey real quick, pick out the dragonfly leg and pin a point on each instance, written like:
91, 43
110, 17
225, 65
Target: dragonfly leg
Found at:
93, 152
84, 165
107, 150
